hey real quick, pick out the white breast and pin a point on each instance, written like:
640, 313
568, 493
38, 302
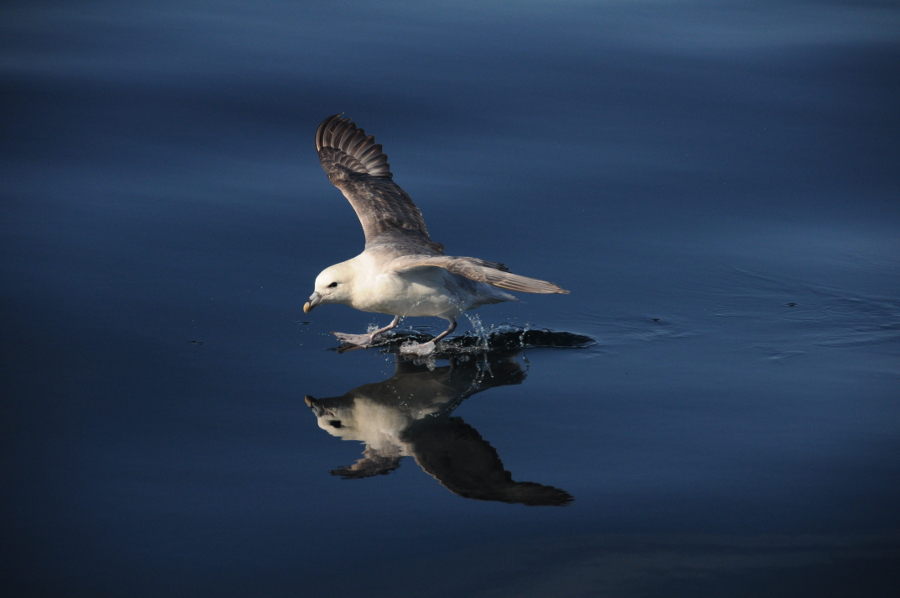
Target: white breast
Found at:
420, 292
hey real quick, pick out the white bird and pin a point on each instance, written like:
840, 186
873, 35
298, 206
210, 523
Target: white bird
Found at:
401, 272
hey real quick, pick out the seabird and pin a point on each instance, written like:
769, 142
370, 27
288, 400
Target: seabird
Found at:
401, 272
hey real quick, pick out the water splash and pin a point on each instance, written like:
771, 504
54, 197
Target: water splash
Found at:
479, 330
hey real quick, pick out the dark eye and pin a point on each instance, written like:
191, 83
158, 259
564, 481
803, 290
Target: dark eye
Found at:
332, 285
335, 423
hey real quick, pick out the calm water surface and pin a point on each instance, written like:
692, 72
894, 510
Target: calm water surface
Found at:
717, 185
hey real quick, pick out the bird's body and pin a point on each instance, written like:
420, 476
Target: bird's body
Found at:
401, 272
424, 291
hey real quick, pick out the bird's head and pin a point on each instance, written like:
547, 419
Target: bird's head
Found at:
333, 285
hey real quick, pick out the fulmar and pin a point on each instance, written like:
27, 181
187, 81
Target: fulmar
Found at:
401, 272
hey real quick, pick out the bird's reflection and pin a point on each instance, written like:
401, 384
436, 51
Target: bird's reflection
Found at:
409, 415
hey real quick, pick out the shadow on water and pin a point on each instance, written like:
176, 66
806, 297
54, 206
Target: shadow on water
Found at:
498, 338
409, 415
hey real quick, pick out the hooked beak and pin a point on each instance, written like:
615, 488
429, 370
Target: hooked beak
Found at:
314, 300
316, 408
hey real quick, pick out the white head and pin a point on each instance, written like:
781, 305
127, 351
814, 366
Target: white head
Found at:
333, 285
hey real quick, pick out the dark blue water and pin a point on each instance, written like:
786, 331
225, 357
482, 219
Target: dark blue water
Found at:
716, 183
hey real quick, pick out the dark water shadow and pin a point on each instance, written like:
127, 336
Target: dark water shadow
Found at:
503, 338
410, 415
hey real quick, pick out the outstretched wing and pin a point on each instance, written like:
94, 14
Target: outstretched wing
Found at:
356, 165
479, 270
456, 455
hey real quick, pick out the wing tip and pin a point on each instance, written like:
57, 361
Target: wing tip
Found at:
347, 137
523, 284
320, 131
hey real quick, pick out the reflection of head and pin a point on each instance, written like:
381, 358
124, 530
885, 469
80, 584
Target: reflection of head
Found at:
409, 415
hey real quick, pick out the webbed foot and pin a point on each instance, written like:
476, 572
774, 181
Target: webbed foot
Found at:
359, 340
418, 348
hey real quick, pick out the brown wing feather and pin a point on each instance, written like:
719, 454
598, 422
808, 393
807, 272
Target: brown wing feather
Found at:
356, 165
478, 270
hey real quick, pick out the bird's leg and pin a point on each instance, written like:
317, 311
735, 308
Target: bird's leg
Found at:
427, 348
394, 323
450, 329
366, 340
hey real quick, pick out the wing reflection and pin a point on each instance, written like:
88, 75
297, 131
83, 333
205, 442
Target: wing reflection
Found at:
409, 415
